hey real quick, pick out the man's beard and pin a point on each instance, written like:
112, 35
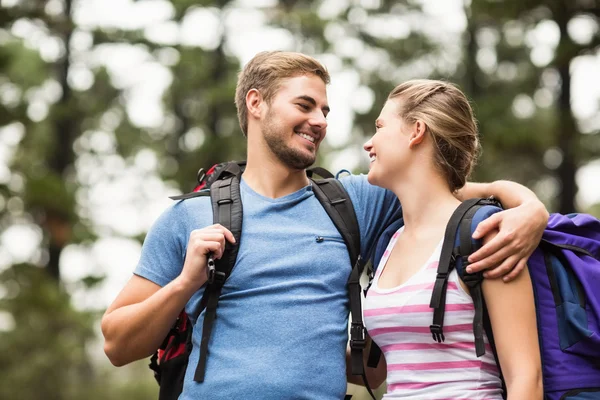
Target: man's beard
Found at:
288, 155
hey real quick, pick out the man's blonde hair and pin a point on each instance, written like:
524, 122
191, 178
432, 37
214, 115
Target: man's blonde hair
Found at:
449, 119
265, 72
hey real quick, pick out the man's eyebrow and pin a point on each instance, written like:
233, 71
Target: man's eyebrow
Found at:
312, 101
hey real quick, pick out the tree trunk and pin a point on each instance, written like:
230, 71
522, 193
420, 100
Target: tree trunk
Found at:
219, 67
64, 130
568, 134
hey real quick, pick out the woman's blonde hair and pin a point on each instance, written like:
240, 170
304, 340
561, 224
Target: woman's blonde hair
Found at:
265, 72
449, 118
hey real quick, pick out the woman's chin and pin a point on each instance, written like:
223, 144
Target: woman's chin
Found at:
372, 179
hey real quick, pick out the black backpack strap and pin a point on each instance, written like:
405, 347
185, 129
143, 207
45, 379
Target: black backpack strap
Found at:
374, 355
481, 319
320, 171
336, 202
227, 211
460, 223
190, 195
445, 266
473, 281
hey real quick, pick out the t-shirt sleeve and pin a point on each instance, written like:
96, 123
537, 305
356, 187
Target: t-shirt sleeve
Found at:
482, 214
163, 251
375, 208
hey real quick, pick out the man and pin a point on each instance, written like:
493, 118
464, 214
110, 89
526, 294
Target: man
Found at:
283, 313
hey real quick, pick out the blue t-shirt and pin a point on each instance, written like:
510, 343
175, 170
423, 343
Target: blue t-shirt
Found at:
281, 327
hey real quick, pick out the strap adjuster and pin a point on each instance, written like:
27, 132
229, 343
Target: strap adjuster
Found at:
216, 277
212, 274
358, 335
437, 333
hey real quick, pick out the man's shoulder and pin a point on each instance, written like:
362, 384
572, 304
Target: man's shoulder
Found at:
358, 186
189, 208
352, 181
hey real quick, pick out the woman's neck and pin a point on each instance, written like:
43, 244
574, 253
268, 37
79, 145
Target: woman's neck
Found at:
427, 204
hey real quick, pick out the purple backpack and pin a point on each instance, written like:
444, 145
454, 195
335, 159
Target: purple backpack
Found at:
565, 273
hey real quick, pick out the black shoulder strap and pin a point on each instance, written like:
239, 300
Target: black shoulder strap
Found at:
322, 172
190, 195
227, 211
336, 202
445, 266
460, 223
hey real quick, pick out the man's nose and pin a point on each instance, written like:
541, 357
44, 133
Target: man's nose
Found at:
318, 120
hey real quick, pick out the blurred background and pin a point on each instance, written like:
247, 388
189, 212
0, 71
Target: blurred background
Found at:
109, 106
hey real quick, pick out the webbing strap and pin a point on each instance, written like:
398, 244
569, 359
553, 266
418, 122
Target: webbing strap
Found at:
322, 172
227, 211
446, 264
334, 199
374, 356
473, 281
190, 195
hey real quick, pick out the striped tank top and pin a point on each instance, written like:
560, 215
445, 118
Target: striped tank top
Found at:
398, 321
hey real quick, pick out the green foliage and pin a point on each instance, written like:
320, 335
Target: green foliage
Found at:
45, 346
49, 341
45, 350
514, 146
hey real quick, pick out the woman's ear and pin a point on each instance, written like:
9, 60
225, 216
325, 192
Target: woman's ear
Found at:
417, 134
254, 101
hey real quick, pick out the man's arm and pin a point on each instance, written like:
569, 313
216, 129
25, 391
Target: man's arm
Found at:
520, 228
139, 319
137, 322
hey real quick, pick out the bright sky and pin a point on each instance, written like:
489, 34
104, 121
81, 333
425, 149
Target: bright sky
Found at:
118, 202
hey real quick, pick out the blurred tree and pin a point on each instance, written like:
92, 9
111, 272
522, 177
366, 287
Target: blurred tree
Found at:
379, 42
200, 125
64, 116
519, 62
44, 344
50, 108
44, 349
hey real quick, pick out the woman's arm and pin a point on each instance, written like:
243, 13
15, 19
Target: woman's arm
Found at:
511, 309
520, 228
375, 376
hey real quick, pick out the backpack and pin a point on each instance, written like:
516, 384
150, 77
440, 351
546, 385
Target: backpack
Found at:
565, 274
221, 183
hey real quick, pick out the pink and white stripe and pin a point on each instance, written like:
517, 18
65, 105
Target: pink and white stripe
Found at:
398, 320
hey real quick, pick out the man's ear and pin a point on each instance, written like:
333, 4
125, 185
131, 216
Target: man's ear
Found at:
417, 134
254, 101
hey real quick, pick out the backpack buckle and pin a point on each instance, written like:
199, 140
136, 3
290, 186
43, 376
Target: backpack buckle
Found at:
212, 274
441, 276
200, 175
437, 333
358, 335
216, 277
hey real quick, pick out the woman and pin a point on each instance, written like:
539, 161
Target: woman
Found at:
424, 148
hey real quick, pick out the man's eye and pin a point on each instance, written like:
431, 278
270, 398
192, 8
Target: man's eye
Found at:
304, 106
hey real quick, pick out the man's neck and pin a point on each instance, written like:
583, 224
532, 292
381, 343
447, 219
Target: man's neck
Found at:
273, 179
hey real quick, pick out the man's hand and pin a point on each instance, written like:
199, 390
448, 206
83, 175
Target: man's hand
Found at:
202, 242
520, 230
